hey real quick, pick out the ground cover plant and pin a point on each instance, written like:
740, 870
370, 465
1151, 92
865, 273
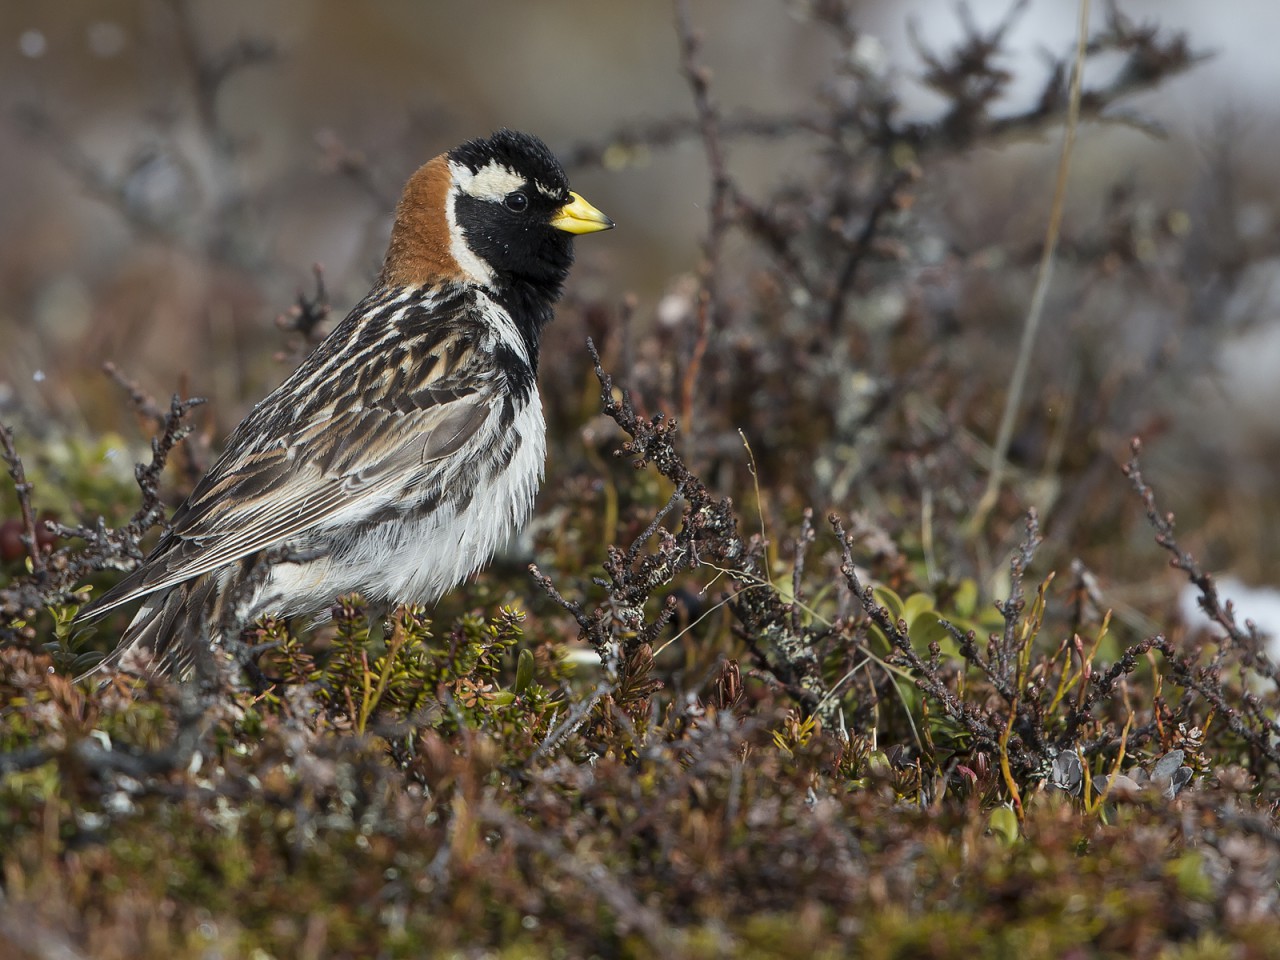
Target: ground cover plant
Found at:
820, 644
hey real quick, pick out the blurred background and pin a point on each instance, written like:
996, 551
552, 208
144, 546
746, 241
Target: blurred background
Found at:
174, 169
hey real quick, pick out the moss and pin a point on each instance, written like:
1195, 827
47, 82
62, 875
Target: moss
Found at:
711, 725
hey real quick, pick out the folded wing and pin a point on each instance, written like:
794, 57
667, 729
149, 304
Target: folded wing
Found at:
334, 466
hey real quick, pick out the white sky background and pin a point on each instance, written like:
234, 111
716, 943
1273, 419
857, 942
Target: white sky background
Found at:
1243, 75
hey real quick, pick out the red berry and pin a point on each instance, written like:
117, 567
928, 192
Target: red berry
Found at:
11, 545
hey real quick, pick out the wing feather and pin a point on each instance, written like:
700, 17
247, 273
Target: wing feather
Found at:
331, 465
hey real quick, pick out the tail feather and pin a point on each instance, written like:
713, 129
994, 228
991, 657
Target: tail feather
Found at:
167, 633
173, 632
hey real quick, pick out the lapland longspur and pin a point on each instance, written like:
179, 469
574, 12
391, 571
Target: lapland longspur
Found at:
407, 447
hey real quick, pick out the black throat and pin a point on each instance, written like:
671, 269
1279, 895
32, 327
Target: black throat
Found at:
530, 306
529, 262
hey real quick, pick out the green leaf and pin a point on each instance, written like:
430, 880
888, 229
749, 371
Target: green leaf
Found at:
965, 600
1003, 822
915, 605
889, 600
524, 671
1188, 870
926, 628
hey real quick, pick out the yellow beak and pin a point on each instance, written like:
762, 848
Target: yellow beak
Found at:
578, 216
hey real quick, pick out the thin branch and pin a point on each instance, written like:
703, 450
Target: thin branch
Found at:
719, 215
924, 673
1021, 369
211, 71
1221, 612
802, 544
308, 313
23, 489
143, 403
885, 201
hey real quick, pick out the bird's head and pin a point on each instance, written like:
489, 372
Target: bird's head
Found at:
497, 212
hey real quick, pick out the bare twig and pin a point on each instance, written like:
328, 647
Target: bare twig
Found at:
970, 77
212, 70
720, 209
722, 190
308, 312
802, 544
707, 535
23, 489
143, 403
1247, 639
1151, 59
983, 728
354, 165
1003, 655
632, 913
638, 137
883, 203
586, 623
1022, 366
152, 509
91, 175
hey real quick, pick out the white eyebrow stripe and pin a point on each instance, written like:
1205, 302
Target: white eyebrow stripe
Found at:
493, 181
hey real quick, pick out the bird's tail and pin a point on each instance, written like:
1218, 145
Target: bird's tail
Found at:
172, 633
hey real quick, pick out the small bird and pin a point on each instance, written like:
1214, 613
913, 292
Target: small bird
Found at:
406, 448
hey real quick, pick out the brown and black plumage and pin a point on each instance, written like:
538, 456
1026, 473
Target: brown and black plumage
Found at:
407, 447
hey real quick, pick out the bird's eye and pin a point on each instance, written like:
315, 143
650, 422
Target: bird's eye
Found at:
515, 201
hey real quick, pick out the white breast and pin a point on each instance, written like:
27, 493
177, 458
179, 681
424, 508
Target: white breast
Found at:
415, 560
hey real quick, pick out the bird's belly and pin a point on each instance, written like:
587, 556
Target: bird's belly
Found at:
428, 542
